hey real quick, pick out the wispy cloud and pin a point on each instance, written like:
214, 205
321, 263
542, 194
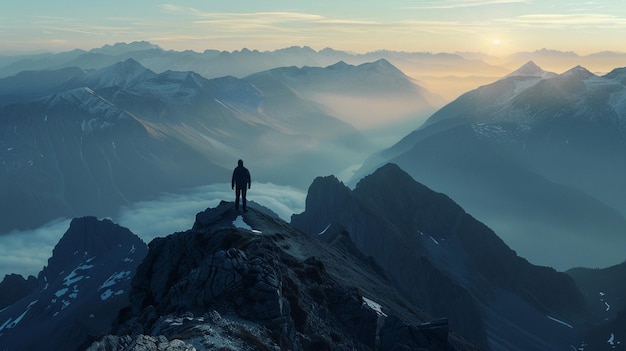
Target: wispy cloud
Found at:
555, 21
458, 4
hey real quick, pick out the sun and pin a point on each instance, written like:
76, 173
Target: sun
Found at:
496, 42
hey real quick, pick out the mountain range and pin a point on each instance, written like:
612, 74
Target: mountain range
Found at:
375, 272
537, 156
446, 74
78, 142
384, 262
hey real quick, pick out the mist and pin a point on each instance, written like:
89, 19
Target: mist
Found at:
26, 252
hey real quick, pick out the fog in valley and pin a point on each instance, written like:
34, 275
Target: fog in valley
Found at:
27, 252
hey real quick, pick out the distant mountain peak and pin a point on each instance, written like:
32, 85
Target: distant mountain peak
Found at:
530, 69
578, 71
339, 65
119, 74
120, 48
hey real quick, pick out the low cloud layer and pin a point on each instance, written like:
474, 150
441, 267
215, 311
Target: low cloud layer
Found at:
27, 252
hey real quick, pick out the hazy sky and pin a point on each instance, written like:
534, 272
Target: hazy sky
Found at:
492, 26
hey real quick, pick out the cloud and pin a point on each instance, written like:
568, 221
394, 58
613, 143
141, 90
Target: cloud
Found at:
569, 21
456, 4
27, 252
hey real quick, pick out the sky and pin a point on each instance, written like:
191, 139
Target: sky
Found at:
496, 27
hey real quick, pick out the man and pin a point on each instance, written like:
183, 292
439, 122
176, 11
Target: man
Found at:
239, 182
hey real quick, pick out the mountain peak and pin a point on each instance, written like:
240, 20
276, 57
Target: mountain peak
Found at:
578, 71
120, 74
121, 48
530, 69
80, 293
92, 237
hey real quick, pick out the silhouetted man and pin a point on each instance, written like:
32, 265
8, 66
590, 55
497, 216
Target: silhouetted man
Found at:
240, 182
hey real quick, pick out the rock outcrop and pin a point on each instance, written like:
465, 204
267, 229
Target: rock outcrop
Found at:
13, 287
252, 282
448, 263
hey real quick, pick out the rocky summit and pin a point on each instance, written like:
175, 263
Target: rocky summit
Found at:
250, 281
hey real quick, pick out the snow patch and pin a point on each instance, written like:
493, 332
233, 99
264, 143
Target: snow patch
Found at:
115, 278
434, 240
374, 306
74, 277
325, 229
560, 322
12, 323
61, 292
239, 222
110, 293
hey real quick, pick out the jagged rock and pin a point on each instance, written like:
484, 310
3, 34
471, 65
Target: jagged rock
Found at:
13, 287
79, 293
222, 287
446, 262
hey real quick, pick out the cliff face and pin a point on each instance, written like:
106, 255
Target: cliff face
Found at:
448, 263
252, 282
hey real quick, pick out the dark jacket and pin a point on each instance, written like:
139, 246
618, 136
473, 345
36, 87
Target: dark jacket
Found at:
241, 177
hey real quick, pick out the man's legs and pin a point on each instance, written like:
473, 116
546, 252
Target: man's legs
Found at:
243, 198
237, 192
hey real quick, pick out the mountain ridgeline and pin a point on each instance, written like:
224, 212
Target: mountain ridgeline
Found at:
536, 156
447, 262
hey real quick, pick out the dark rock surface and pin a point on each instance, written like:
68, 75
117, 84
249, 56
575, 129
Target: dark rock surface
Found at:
13, 287
79, 293
605, 292
265, 286
448, 263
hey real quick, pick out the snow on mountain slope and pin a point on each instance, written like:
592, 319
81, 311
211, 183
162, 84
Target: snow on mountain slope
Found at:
79, 292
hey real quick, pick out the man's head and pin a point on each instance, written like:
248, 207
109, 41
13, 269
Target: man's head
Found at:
240, 163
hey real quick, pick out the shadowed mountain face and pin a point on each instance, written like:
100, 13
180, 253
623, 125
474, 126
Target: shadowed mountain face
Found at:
85, 142
537, 157
79, 293
448, 263
604, 289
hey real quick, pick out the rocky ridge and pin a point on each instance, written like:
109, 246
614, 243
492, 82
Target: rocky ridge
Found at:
252, 282
448, 263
